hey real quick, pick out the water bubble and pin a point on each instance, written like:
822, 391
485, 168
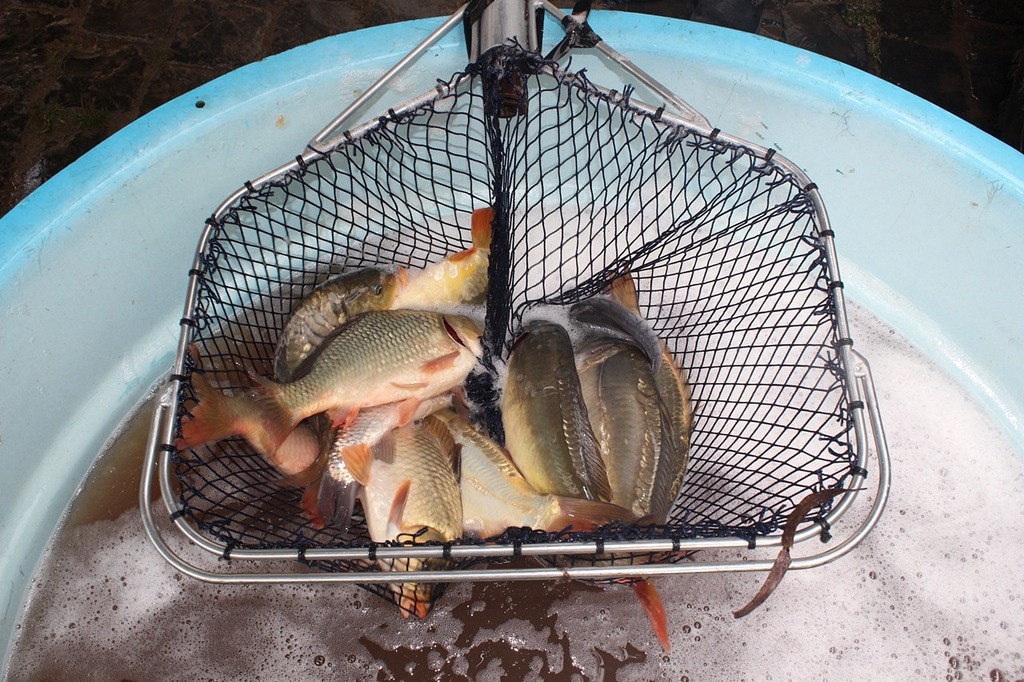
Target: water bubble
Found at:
319, 660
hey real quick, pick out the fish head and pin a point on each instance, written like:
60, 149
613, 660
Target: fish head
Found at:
371, 289
465, 332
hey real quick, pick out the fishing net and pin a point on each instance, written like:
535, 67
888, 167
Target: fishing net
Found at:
724, 244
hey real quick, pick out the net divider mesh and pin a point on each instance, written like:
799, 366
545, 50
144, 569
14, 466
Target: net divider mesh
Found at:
728, 243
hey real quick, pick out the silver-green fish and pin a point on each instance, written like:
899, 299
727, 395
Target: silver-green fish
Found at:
328, 307
409, 488
378, 357
547, 432
496, 496
625, 413
617, 316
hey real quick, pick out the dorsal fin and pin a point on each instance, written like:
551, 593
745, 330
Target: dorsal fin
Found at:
623, 290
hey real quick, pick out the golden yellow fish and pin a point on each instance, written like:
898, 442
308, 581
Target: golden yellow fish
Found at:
409, 489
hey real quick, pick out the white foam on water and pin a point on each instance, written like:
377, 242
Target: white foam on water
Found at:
934, 592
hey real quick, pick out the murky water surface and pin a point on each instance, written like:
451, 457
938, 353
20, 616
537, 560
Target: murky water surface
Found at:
935, 592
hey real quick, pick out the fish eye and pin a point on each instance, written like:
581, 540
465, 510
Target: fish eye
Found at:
378, 289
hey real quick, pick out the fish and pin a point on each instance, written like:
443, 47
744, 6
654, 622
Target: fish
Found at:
547, 430
625, 414
329, 306
617, 316
330, 499
410, 488
496, 495
219, 416
376, 358
459, 279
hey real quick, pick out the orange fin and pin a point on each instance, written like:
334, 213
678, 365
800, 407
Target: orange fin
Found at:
211, 418
623, 290
342, 419
398, 509
655, 610
358, 458
585, 515
407, 411
410, 386
311, 506
440, 363
482, 219
461, 255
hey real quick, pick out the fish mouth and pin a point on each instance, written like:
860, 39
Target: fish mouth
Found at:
452, 332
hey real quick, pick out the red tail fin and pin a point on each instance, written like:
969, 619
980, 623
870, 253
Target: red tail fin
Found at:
651, 601
481, 230
212, 419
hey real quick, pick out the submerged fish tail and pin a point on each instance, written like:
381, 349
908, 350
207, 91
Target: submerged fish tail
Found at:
655, 610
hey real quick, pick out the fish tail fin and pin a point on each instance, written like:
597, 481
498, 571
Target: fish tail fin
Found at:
586, 515
623, 290
212, 419
655, 610
330, 502
276, 421
481, 228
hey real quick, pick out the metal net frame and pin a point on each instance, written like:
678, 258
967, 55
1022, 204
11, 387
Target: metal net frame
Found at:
728, 245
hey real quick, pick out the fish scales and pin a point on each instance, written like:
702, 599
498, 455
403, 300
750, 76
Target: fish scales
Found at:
547, 430
623, 406
381, 357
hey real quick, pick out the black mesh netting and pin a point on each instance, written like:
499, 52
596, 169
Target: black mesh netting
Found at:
722, 242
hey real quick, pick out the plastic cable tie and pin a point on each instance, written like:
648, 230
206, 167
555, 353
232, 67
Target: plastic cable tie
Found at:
845, 341
188, 321
371, 551
177, 514
826, 233
226, 554
211, 222
177, 377
826, 534
167, 447
858, 471
837, 284
600, 545
517, 548
714, 133
675, 545
301, 555
856, 405
752, 542
658, 112
446, 551
768, 155
810, 186
348, 135
249, 186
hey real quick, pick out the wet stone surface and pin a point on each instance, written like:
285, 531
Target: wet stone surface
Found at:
73, 72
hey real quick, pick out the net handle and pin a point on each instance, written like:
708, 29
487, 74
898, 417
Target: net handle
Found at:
324, 139
578, 19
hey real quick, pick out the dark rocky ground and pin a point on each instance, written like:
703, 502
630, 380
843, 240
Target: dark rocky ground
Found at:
73, 72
